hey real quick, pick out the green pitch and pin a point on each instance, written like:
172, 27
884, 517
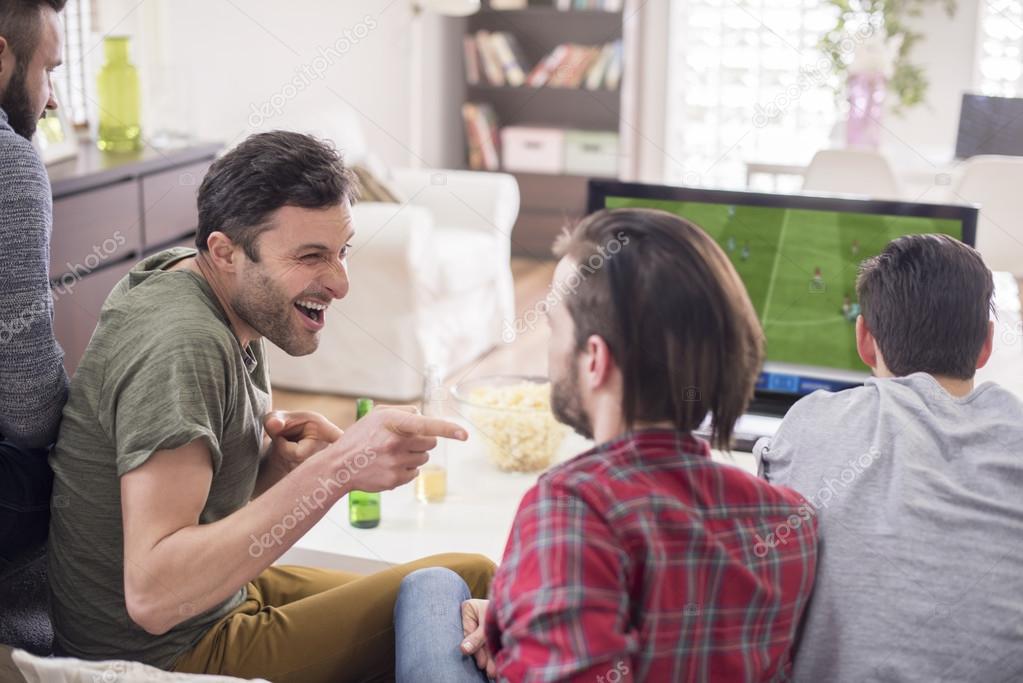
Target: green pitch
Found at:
777, 253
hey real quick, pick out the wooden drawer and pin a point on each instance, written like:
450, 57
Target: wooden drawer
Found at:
94, 228
76, 307
168, 202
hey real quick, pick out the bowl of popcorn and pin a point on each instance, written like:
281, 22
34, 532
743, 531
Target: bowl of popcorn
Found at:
510, 417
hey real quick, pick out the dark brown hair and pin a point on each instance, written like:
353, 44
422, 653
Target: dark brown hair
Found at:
927, 301
20, 24
265, 172
668, 303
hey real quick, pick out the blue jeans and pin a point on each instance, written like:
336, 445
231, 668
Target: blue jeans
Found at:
428, 629
26, 482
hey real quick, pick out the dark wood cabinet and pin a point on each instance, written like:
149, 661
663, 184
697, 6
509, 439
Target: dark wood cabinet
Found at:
110, 211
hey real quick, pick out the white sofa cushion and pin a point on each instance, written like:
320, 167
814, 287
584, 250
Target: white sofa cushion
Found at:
69, 670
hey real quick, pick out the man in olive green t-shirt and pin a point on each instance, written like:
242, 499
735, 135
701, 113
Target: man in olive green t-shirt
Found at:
170, 504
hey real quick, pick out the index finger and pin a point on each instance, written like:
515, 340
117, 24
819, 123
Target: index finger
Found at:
417, 425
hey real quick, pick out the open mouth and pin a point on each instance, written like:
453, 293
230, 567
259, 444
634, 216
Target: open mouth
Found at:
312, 310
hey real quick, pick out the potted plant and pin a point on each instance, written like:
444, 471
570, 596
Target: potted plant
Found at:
869, 49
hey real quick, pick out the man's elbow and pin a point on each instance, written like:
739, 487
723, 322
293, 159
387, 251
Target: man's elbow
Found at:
145, 608
39, 427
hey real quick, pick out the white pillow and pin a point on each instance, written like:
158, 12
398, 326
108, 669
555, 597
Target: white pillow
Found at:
69, 670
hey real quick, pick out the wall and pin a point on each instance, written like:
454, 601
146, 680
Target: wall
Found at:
948, 54
221, 70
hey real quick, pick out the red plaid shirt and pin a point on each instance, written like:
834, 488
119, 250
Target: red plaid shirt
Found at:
644, 560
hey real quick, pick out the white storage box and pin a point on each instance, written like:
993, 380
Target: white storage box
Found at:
591, 153
533, 150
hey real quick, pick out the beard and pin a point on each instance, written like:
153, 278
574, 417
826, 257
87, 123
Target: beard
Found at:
566, 404
16, 103
266, 308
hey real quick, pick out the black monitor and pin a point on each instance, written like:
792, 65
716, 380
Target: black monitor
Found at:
990, 125
799, 257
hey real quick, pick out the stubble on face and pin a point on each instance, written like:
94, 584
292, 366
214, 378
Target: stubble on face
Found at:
265, 307
566, 402
18, 105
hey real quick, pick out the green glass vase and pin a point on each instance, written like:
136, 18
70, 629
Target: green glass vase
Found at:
120, 127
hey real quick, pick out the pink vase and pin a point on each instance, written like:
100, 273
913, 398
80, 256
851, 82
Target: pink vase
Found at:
866, 102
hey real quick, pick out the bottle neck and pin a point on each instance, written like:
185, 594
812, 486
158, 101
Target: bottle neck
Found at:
116, 50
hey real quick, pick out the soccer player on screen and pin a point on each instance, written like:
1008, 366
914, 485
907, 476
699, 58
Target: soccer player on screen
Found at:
817, 283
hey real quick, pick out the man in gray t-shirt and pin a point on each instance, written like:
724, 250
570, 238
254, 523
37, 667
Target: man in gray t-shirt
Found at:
916, 478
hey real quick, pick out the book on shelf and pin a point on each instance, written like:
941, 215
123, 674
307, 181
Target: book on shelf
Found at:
511, 57
541, 73
501, 59
613, 76
576, 66
481, 135
571, 5
489, 59
597, 73
605, 5
472, 60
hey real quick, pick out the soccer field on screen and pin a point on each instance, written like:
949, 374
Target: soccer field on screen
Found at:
800, 268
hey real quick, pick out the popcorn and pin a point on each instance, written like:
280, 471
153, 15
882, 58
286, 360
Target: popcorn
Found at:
517, 424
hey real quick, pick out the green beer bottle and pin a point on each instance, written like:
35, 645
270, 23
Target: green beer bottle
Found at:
363, 508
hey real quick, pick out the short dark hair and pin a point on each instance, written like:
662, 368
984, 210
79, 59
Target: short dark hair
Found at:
20, 24
674, 313
265, 172
927, 301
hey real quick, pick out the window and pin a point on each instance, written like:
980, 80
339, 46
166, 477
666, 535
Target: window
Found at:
1001, 37
72, 79
746, 84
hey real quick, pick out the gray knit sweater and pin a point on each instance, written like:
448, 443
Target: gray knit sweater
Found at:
33, 385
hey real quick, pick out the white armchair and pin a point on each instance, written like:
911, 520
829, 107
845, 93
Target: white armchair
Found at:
431, 284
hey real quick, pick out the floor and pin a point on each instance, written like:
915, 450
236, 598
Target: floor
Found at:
525, 355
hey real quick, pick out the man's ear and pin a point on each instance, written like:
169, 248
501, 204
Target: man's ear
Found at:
222, 251
985, 351
6, 61
598, 362
865, 344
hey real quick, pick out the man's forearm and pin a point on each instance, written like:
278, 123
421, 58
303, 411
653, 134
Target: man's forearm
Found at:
197, 567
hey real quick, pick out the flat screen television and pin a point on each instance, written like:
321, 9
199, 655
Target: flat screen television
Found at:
798, 257
990, 125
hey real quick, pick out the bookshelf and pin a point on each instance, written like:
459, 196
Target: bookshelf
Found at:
549, 200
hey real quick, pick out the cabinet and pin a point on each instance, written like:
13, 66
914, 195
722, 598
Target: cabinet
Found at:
110, 211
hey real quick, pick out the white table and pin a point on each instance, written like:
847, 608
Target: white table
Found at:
477, 514
926, 175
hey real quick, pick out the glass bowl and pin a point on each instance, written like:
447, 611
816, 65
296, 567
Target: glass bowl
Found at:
511, 415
